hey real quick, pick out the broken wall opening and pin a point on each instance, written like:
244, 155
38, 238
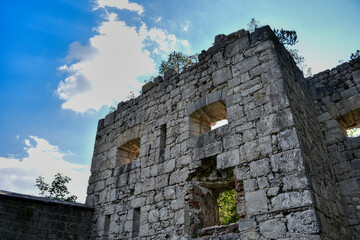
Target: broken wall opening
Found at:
128, 152
350, 123
207, 118
208, 186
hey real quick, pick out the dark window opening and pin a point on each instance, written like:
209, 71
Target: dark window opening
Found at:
128, 152
136, 223
208, 118
162, 139
107, 225
350, 123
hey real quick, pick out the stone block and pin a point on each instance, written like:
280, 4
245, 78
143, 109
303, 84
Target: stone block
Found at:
244, 66
260, 167
99, 186
256, 202
294, 182
249, 185
241, 174
251, 150
246, 224
221, 76
179, 176
350, 187
287, 162
148, 184
138, 202
291, 200
304, 222
228, 159
288, 139
161, 181
153, 216
235, 112
273, 229
179, 217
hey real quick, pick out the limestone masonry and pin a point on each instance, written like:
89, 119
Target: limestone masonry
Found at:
159, 165
158, 168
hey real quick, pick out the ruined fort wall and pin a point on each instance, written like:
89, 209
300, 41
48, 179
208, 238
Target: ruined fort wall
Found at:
158, 167
336, 94
35, 218
318, 168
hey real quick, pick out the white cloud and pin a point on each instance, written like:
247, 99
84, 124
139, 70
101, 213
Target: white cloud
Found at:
19, 174
108, 68
120, 4
185, 26
158, 19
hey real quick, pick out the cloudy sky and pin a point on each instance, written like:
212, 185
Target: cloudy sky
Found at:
64, 63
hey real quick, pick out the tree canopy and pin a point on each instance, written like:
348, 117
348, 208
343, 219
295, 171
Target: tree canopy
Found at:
227, 207
177, 61
57, 189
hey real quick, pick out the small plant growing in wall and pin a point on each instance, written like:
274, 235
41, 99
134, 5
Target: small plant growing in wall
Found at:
57, 189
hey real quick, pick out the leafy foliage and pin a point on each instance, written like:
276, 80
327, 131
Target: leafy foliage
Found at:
253, 25
177, 61
355, 55
57, 189
286, 37
354, 132
227, 207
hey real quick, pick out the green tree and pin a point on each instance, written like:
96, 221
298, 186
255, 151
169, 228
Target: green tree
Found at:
253, 25
355, 55
57, 189
177, 61
227, 207
287, 38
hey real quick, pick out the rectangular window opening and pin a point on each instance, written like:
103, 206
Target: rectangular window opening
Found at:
210, 117
227, 204
107, 225
136, 222
163, 129
350, 123
353, 132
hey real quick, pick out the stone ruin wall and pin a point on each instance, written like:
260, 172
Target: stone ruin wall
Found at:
158, 167
25, 217
336, 94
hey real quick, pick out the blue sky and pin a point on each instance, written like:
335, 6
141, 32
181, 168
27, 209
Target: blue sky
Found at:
64, 62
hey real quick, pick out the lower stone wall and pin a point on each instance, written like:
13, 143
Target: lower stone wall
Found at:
29, 217
346, 162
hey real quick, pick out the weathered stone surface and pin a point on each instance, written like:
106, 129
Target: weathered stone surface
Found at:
256, 202
303, 222
260, 167
159, 164
291, 200
247, 224
228, 159
287, 162
273, 228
